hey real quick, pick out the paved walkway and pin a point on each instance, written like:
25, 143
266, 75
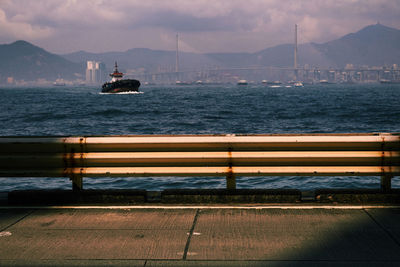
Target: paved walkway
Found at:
200, 236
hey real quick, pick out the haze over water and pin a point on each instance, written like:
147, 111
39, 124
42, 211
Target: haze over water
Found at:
225, 109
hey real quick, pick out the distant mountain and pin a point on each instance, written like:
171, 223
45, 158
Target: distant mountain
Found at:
25, 61
151, 60
283, 56
374, 45
156, 60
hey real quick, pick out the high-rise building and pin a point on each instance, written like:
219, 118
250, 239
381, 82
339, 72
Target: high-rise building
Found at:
95, 72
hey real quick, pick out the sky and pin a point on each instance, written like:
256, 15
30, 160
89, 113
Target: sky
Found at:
65, 26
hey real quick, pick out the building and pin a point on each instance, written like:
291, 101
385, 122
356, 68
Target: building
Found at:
10, 80
95, 72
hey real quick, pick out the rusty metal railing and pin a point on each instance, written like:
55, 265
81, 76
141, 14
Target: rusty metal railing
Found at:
376, 154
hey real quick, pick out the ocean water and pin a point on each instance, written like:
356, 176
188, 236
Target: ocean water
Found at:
204, 109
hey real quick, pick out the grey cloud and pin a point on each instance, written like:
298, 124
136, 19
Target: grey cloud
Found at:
218, 25
235, 21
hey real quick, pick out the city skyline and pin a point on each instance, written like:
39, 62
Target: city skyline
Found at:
368, 55
203, 26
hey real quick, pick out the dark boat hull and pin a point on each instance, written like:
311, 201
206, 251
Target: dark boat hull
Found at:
127, 85
390, 81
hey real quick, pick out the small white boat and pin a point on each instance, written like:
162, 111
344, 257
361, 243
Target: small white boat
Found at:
182, 83
242, 82
59, 82
298, 84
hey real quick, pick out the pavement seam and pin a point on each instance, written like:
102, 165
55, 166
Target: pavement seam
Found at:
17, 221
383, 228
290, 206
190, 234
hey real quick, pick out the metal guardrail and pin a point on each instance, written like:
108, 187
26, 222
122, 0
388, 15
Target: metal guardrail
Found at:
376, 154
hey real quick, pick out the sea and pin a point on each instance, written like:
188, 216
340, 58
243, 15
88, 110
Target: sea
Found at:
199, 109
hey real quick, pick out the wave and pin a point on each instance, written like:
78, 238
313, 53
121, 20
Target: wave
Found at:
208, 110
44, 117
109, 112
123, 93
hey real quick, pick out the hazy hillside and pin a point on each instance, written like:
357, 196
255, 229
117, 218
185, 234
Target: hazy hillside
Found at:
25, 61
374, 45
149, 59
283, 56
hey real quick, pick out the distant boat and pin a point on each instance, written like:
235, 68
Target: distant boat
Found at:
242, 82
389, 81
59, 82
182, 83
119, 85
271, 82
325, 82
147, 83
298, 84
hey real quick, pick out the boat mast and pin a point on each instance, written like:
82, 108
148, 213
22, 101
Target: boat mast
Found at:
177, 57
295, 52
116, 75
295, 46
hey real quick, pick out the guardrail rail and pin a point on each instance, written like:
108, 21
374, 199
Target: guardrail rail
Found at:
375, 154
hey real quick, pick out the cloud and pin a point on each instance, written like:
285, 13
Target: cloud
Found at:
208, 25
22, 30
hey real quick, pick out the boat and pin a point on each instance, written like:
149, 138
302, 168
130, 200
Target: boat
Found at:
266, 82
59, 82
298, 84
389, 81
242, 82
182, 83
325, 82
119, 85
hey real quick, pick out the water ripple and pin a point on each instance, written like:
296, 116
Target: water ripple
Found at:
200, 110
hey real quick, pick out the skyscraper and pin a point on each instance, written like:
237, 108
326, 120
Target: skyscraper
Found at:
95, 72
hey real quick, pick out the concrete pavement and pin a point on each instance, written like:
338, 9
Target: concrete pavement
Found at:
237, 235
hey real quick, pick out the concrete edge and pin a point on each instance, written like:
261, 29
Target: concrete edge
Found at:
357, 196
127, 197
210, 207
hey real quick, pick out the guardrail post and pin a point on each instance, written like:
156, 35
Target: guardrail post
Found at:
230, 181
386, 182
77, 182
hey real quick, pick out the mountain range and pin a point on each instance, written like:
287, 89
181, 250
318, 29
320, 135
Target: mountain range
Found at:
25, 61
374, 45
